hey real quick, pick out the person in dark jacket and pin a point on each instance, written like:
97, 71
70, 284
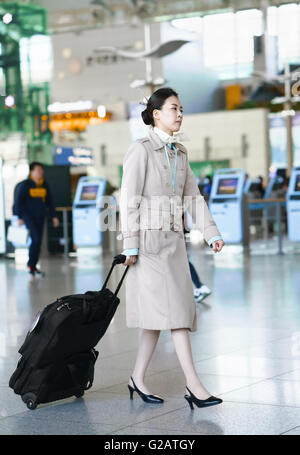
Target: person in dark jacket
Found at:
33, 197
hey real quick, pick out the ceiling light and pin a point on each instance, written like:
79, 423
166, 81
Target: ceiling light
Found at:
190, 24
69, 107
101, 111
7, 18
9, 101
67, 52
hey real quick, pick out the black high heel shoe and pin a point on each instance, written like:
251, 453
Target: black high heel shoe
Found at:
144, 397
211, 401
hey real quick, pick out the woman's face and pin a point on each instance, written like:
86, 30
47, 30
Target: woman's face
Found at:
169, 117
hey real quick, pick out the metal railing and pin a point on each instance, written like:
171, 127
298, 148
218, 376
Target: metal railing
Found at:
266, 203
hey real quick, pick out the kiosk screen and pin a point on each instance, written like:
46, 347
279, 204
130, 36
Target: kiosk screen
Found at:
297, 183
227, 186
89, 193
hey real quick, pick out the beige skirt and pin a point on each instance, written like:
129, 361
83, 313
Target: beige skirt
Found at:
158, 287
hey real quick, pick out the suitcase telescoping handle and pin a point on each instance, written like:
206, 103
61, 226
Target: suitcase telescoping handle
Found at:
119, 259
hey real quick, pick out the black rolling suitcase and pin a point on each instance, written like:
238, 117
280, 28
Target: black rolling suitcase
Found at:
58, 356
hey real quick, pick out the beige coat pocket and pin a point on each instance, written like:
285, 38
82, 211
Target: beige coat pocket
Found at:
152, 242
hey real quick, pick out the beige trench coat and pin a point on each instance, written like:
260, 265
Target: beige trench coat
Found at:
158, 287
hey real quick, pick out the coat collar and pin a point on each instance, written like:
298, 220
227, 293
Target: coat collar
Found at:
157, 143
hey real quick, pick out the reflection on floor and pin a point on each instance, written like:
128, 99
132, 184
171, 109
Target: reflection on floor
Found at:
246, 349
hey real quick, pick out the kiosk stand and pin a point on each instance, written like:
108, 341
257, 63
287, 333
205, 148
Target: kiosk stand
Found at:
293, 206
228, 205
87, 234
256, 219
275, 188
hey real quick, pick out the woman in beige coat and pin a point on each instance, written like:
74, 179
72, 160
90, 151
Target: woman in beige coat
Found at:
157, 187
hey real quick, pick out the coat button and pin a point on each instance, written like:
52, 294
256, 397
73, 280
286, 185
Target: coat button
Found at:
165, 167
167, 185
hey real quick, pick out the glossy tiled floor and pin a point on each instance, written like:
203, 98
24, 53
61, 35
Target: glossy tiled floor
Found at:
246, 349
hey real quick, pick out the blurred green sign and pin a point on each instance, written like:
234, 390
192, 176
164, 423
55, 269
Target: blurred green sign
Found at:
203, 168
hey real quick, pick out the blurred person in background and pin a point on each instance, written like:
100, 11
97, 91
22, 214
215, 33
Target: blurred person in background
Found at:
261, 188
33, 198
207, 185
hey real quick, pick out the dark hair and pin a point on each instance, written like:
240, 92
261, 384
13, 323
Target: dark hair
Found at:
34, 164
156, 101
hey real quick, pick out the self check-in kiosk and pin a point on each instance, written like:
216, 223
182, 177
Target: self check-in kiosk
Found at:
86, 209
293, 206
275, 188
228, 205
253, 188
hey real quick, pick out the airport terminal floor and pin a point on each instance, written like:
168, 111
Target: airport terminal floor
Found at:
246, 350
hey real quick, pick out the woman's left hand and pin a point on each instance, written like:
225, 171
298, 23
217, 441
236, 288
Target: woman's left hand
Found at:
217, 246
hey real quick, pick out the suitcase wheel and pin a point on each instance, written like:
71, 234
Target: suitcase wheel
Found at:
79, 394
30, 400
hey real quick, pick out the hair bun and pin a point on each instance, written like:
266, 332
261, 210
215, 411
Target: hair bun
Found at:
146, 117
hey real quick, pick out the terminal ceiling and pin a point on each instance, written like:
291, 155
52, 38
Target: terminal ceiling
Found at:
68, 15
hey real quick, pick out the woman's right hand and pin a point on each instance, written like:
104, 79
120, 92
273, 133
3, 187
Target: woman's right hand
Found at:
130, 260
